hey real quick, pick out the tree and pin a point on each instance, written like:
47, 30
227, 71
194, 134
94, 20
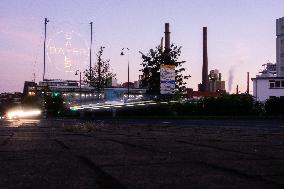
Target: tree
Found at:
100, 73
2, 109
274, 106
234, 104
151, 68
54, 104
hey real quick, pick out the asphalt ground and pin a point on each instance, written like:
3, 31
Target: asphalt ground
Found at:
142, 154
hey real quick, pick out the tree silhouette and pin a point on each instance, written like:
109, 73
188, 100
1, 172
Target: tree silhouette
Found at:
151, 63
101, 74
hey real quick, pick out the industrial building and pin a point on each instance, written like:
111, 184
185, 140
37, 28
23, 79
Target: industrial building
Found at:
72, 92
215, 81
10, 98
270, 82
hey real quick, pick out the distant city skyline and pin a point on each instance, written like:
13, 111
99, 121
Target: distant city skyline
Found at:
241, 35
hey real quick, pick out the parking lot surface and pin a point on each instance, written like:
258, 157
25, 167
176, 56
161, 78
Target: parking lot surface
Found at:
142, 154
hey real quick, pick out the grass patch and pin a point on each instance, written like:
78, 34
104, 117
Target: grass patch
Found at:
84, 127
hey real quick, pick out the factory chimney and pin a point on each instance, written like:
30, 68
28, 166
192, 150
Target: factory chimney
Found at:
162, 44
205, 79
167, 36
237, 89
247, 82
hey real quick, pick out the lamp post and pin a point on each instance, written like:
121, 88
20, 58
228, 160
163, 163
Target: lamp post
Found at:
91, 23
76, 73
45, 23
122, 53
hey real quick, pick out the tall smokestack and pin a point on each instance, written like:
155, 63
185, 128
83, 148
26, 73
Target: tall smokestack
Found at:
205, 61
247, 82
237, 89
162, 44
167, 36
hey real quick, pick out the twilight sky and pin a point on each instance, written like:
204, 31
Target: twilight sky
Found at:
241, 35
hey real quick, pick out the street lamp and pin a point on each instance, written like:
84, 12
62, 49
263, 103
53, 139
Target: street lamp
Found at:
122, 54
76, 73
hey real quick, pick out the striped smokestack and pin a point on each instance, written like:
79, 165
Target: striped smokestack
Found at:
167, 36
205, 79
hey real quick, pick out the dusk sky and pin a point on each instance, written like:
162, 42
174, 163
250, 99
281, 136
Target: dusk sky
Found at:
241, 35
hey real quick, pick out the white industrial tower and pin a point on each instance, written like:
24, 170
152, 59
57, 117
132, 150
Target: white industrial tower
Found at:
280, 47
270, 83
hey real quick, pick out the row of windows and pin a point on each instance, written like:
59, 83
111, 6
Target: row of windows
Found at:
276, 84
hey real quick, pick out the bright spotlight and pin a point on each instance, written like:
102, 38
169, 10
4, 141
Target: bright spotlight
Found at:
23, 114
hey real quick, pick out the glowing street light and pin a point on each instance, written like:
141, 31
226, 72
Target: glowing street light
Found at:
122, 54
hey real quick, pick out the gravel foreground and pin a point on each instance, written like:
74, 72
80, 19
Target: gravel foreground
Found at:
142, 154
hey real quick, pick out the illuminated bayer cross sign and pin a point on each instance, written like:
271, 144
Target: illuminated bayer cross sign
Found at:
67, 51
167, 79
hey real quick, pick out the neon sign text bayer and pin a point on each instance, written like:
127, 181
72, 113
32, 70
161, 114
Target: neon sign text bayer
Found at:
67, 51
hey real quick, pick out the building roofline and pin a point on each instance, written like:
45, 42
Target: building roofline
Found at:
263, 78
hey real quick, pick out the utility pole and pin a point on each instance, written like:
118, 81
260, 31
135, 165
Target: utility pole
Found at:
128, 80
91, 23
122, 54
99, 70
80, 89
45, 23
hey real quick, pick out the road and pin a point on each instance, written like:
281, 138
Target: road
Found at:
142, 154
